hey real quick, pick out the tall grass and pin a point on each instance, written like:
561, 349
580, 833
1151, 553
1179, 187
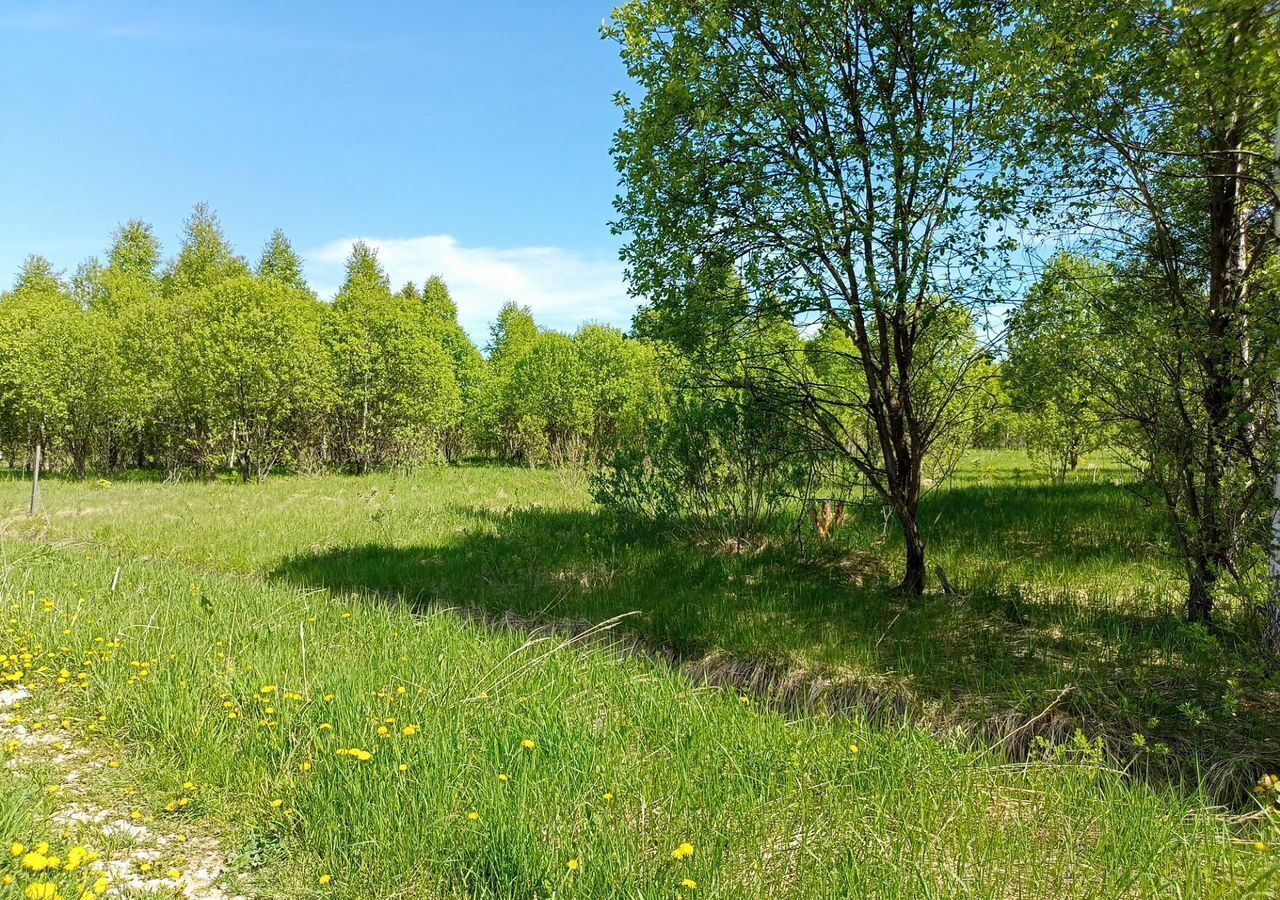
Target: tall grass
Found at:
250, 689
1067, 593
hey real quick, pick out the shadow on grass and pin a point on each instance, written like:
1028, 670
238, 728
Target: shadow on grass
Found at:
991, 660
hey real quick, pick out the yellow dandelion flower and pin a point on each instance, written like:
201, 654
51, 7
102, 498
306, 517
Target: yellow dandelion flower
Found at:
325, 879
1260, 846
573, 865
502, 776
473, 816
527, 744
276, 804
688, 884
684, 851
853, 748
608, 798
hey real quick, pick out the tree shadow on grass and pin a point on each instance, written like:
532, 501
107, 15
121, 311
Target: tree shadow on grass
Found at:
993, 655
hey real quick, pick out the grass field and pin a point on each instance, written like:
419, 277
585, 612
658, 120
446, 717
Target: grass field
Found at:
254, 632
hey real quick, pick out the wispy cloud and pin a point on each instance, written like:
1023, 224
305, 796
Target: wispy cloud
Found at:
562, 288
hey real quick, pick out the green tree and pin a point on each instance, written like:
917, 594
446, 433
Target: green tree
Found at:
205, 258
840, 158
260, 348
281, 264
511, 336
41, 331
397, 394
1056, 351
441, 317
1161, 116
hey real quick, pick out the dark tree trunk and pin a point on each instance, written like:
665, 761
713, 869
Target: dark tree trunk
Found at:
913, 579
1200, 595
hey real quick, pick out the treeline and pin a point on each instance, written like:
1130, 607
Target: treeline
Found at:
207, 362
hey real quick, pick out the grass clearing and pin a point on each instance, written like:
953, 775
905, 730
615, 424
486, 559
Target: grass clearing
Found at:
1068, 599
278, 625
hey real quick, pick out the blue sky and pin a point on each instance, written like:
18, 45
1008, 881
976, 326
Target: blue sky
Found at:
466, 138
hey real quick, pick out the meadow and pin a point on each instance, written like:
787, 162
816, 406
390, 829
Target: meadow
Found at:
468, 681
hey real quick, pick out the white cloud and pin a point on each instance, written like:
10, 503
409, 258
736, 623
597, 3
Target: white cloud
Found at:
562, 288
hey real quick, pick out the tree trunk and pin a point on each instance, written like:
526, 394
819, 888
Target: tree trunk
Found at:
1200, 595
1271, 607
913, 579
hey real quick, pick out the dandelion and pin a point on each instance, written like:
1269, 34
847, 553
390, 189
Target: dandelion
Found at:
473, 816
527, 744
573, 865
325, 879
189, 785
684, 851
503, 776
608, 798
306, 766
409, 730
688, 884
1260, 846
41, 890
383, 731
853, 748
403, 767
17, 850
276, 804
35, 861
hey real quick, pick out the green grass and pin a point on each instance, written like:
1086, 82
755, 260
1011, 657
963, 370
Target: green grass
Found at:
1068, 597
343, 588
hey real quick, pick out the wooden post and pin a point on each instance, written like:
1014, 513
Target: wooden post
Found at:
35, 476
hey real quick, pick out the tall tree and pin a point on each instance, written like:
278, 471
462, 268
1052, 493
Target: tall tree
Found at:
281, 264
397, 394
1056, 348
206, 256
840, 157
441, 316
40, 336
1161, 115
